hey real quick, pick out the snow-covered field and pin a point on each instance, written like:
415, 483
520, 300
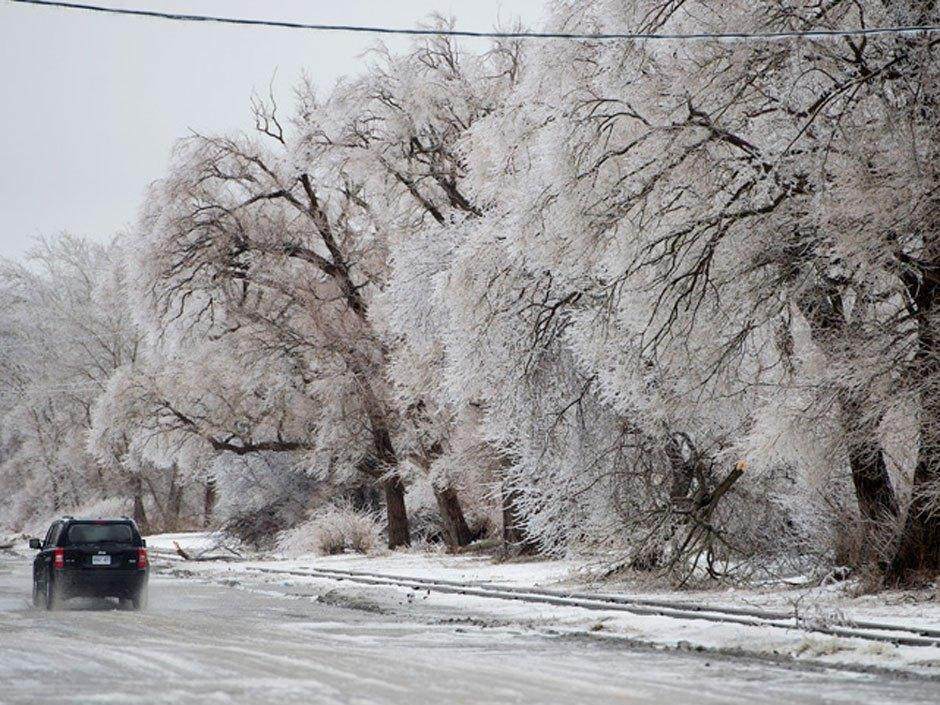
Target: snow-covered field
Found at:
815, 606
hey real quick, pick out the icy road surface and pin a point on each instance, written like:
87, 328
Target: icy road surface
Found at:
210, 644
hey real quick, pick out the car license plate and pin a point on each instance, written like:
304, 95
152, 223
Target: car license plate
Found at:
101, 560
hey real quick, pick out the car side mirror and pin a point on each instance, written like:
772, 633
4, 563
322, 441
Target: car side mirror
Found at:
35, 544
143, 542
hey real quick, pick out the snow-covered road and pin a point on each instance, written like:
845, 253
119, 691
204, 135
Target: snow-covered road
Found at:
214, 644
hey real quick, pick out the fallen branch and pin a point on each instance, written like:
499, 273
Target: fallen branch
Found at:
181, 552
10, 540
204, 555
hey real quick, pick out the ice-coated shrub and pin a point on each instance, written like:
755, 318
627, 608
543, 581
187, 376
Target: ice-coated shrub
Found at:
260, 496
330, 530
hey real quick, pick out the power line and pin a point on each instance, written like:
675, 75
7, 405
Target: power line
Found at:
693, 36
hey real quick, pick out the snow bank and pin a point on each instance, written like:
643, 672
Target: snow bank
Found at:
800, 645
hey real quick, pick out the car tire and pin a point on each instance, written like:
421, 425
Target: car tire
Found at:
38, 600
141, 598
53, 595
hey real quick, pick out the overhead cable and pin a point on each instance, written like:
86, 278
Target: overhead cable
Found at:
521, 34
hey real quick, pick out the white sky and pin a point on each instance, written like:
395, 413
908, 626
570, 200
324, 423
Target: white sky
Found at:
91, 104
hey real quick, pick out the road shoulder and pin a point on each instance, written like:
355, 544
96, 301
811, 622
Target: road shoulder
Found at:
803, 646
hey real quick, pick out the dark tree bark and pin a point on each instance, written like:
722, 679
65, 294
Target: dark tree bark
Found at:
455, 524
683, 472
174, 502
823, 309
56, 504
208, 502
456, 532
515, 540
873, 489
398, 531
918, 551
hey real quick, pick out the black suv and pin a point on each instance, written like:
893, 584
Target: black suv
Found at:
90, 558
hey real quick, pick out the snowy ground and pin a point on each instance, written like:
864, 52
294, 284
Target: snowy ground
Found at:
818, 606
216, 643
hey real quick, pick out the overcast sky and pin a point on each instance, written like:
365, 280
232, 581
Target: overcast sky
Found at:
93, 103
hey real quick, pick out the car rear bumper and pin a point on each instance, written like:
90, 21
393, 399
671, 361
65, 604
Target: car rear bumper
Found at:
101, 583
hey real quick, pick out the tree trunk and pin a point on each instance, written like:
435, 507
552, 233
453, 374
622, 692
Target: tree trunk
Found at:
208, 502
174, 502
384, 464
873, 489
918, 552
823, 309
515, 540
56, 503
683, 472
456, 531
455, 524
140, 512
398, 531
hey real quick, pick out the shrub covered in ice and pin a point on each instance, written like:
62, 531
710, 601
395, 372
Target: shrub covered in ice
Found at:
333, 529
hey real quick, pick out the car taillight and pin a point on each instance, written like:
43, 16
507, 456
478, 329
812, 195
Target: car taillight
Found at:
58, 557
141, 557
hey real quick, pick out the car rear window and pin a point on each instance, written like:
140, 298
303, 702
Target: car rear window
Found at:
100, 533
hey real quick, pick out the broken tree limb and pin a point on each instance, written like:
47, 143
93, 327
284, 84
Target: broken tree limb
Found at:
710, 501
180, 552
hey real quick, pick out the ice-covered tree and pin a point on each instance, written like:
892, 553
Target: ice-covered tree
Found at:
65, 331
705, 229
251, 239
